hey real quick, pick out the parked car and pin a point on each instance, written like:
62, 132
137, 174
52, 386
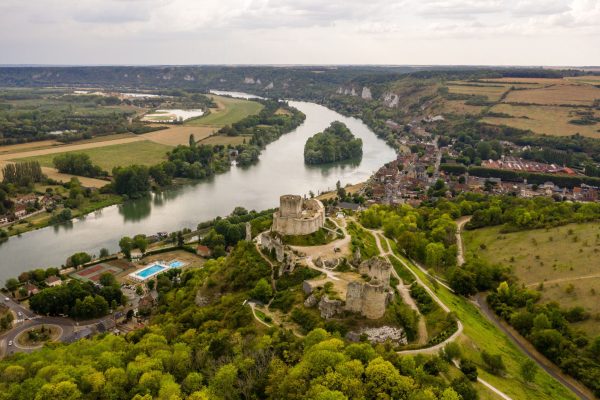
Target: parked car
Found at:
6, 299
10, 343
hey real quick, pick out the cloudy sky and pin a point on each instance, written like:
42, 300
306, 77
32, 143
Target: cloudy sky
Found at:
499, 32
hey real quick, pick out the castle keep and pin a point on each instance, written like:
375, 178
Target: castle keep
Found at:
297, 216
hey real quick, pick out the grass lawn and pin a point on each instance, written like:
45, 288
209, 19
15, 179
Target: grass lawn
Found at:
230, 110
107, 157
363, 240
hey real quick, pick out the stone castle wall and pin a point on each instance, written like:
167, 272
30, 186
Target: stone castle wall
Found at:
298, 217
367, 299
374, 301
377, 269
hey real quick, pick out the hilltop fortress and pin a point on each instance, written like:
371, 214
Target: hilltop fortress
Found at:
297, 216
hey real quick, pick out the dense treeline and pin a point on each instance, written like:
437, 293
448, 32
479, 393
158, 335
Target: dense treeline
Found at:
547, 327
426, 234
216, 352
336, 143
78, 164
228, 231
77, 300
22, 173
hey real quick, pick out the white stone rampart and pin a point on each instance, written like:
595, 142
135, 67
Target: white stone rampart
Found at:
298, 217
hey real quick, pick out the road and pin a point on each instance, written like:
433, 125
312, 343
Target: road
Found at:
28, 319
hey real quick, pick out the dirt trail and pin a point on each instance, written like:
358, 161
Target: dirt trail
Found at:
569, 279
460, 254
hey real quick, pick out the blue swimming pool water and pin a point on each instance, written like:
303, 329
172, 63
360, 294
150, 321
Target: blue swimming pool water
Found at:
176, 264
146, 272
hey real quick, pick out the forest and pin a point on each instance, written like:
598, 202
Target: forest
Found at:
216, 352
335, 143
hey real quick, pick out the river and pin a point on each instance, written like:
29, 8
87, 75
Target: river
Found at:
281, 170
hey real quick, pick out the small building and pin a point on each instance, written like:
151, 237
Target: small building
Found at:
344, 205
146, 303
52, 281
20, 211
203, 251
31, 289
85, 333
136, 255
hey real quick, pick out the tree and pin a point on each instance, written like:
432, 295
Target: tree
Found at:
11, 285
141, 242
108, 279
224, 383
465, 389
493, 362
151, 284
104, 252
469, 368
528, 370
126, 245
262, 291
78, 259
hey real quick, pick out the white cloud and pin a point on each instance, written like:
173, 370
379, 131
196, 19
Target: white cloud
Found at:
300, 31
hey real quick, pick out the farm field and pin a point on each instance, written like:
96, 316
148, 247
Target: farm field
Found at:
560, 94
566, 259
142, 152
229, 110
549, 120
459, 107
492, 91
179, 134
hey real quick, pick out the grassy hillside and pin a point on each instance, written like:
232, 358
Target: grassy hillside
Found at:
564, 259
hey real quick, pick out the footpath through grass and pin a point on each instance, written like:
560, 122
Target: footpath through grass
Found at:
231, 111
483, 335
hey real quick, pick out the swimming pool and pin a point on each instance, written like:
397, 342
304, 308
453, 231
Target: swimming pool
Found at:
176, 264
149, 271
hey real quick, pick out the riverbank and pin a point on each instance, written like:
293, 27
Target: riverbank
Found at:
281, 169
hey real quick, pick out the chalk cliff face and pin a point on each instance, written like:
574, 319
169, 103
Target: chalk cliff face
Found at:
269, 86
391, 100
366, 93
249, 80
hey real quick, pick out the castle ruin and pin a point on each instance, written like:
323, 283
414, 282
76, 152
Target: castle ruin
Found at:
368, 298
297, 216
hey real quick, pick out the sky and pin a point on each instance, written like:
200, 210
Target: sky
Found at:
402, 32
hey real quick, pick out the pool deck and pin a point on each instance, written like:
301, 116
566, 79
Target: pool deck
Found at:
135, 275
